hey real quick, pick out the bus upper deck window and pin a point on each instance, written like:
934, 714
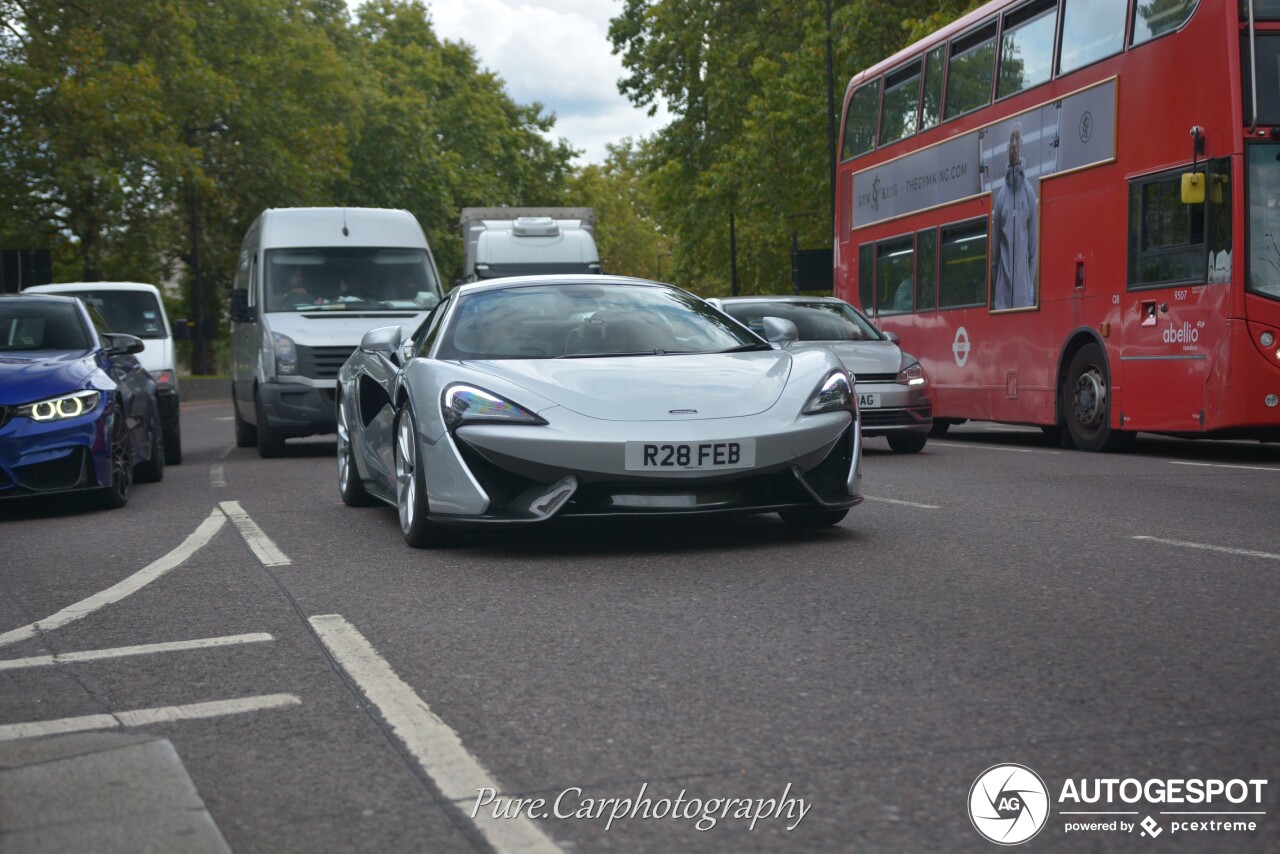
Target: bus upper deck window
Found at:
973, 60
860, 120
931, 101
1091, 30
1026, 47
901, 103
1156, 19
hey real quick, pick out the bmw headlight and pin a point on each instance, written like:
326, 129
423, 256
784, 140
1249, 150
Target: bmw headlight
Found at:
833, 394
286, 355
59, 408
463, 403
912, 373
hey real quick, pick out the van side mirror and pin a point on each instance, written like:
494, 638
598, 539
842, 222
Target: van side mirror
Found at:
182, 329
240, 310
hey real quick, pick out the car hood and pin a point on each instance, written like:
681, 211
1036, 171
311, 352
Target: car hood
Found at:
653, 388
337, 328
27, 377
862, 357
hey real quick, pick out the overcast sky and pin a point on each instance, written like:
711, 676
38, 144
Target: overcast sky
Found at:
556, 52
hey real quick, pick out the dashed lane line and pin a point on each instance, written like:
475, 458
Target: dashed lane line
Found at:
147, 717
125, 651
979, 447
259, 543
217, 475
1225, 466
1206, 547
193, 543
904, 503
430, 740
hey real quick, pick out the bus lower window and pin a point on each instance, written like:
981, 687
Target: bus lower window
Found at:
973, 59
927, 270
1170, 242
895, 275
860, 120
1091, 30
867, 277
963, 279
1264, 219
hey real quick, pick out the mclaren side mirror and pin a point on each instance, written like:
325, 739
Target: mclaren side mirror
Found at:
384, 340
780, 331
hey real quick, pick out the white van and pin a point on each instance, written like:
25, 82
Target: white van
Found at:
310, 282
137, 309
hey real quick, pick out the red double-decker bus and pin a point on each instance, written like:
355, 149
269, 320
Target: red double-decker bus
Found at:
1070, 212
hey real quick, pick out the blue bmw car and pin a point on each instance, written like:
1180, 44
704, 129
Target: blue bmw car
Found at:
77, 411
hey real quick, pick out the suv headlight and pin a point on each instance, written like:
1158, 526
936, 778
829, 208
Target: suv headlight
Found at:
833, 393
61, 407
465, 403
286, 355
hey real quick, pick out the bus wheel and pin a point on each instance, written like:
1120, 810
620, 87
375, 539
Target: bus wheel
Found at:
1088, 403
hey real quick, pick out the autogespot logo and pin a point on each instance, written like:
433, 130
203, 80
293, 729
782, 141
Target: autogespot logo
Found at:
1008, 804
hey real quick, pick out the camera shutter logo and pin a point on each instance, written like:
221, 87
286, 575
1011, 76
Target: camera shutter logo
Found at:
1008, 804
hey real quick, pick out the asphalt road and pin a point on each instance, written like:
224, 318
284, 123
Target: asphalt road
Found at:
997, 599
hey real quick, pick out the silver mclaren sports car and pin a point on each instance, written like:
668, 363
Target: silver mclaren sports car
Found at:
528, 399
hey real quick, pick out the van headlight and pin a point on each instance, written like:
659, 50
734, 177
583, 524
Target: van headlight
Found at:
286, 355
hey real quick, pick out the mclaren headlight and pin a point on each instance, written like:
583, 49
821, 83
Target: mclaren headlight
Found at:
911, 373
463, 404
833, 393
62, 407
286, 355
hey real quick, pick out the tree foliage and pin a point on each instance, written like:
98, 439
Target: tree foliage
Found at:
746, 85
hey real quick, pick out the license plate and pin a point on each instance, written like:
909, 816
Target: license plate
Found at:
870, 400
690, 456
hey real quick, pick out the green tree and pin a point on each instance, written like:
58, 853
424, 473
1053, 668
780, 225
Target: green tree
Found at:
630, 240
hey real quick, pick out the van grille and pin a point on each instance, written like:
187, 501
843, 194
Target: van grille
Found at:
322, 363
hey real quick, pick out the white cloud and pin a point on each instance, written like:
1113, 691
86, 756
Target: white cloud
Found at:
555, 52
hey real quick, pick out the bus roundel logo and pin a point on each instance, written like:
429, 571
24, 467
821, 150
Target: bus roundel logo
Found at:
960, 347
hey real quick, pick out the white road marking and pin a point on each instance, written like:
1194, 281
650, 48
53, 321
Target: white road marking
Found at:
1015, 428
977, 447
225, 418
1225, 466
1204, 547
216, 475
125, 651
197, 540
432, 742
259, 543
144, 717
906, 503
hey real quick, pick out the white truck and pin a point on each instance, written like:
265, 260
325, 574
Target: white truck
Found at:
526, 241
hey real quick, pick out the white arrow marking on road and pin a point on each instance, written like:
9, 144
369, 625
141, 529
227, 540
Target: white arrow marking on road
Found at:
1204, 547
433, 742
125, 651
259, 543
144, 717
197, 540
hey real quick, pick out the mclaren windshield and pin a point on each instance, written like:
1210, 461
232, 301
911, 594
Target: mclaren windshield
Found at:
588, 321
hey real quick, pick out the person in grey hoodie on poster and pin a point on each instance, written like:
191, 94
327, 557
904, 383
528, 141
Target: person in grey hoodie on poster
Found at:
1013, 226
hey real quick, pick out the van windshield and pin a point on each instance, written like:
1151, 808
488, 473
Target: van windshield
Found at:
135, 312
350, 279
